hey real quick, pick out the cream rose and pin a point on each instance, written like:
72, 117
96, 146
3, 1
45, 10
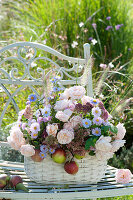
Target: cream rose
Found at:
27, 150
65, 136
52, 129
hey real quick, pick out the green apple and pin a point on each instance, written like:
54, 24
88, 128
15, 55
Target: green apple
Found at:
59, 156
78, 156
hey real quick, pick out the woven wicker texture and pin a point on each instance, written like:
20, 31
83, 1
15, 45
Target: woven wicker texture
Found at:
91, 170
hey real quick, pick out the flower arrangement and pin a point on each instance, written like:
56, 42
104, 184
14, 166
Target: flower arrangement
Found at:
67, 125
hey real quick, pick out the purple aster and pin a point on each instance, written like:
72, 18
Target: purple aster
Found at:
118, 26
90, 18
44, 148
94, 25
28, 102
108, 27
51, 150
35, 127
90, 38
46, 111
34, 135
96, 111
32, 98
97, 120
96, 131
86, 123
42, 155
108, 18
129, 49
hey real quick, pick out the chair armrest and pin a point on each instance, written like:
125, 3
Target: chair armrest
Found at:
4, 144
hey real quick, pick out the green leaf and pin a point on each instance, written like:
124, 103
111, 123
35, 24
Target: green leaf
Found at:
106, 128
114, 129
91, 142
91, 153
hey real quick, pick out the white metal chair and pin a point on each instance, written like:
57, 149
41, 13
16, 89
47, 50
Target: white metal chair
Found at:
107, 187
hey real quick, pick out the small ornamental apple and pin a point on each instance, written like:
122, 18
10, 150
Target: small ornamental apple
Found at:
17, 183
71, 167
4, 180
78, 156
36, 157
15, 180
59, 156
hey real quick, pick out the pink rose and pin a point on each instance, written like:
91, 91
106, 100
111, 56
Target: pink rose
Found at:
117, 144
68, 126
15, 144
62, 116
123, 176
121, 131
16, 139
28, 112
52, 129
77, 92
75, 120
65, 136
27, 150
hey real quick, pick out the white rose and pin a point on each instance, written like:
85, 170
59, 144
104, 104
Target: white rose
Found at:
61, 105
62, 116
117, 144
121, 131
102, 155
103, 144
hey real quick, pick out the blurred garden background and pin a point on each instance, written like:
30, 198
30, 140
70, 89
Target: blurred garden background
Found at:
65, 25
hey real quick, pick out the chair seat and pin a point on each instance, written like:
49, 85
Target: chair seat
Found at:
107, 187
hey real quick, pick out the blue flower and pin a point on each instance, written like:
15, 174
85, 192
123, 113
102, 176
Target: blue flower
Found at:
44, 148
86, 123
54, 80
43, 155
32, 98
56, 89
96, 131
46, 111
94, 101
51, 150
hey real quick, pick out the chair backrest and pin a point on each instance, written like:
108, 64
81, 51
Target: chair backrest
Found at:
27, 53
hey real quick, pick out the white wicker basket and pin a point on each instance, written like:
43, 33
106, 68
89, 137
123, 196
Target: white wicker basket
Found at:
91, 170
